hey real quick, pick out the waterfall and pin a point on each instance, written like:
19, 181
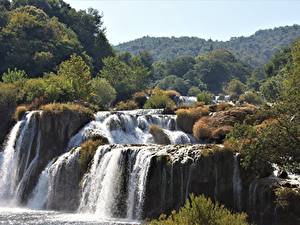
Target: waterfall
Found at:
39, 195
237, 184
104, 188
130, 127
16, 160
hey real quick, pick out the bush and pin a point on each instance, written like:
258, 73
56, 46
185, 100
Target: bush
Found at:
194, 91
251, 98
60, 108
8, 95
15, 75
159, 102
205, 97
159, 136
235, 88
102, 93
201, 131
34, 88
201, 211
20, 112
187, 117
126, 105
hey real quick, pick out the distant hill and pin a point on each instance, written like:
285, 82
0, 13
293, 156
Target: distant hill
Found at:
254, 50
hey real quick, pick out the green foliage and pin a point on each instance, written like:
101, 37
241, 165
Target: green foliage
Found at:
126, 79
276, 140
102, 93
255, 50
251, 97
15, 75
201, 211
205, 97
78, 73
159, 101
180, 65
272, 88
174, 83
8, 95
86, 24
34, 42
194, 91
235, 88
126, 105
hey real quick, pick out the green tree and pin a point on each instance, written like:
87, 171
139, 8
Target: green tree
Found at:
78, 73
272, 88
205, 97
14, 75
102, 93
126, 79
235, 88
35, 43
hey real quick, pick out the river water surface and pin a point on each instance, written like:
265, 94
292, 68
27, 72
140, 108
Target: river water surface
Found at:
20, 216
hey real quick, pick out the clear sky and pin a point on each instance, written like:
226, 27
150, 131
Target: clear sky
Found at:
126, 20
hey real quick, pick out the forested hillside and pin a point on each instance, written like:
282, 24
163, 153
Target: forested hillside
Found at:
255, 50
37, 35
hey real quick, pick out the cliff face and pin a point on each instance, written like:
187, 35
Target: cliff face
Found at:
175, 172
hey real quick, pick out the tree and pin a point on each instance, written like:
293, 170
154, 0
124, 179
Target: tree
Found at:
180, 65
78, 73
102, 93
272, 88
205, 97
276, 140
15, 75
126, 79
35, 43
87, 24
235, 88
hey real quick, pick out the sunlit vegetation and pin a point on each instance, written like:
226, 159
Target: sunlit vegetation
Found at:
201, 211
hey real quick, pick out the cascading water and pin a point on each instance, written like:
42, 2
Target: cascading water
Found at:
17, 154
113, 169
131, 127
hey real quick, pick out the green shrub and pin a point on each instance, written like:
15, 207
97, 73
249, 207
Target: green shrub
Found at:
159, 102
102, 93
126, 105
34, 88
20, 112
194, 91
186, 118
8, 94
201, 211
251, 98
14, 75
205, 97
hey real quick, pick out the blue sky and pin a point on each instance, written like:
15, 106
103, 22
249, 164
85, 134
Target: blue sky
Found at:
217, 19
